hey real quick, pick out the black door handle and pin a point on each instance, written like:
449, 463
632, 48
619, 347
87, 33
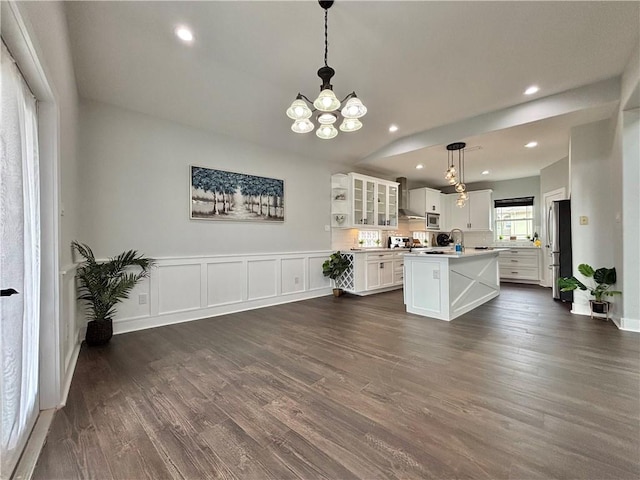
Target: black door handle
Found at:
8, 292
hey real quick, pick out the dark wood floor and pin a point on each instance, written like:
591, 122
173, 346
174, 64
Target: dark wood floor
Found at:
354, 387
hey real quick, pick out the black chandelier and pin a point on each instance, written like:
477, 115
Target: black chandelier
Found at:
327, 103
456, 176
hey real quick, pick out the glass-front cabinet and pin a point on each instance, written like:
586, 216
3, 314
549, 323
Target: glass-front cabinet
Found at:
374, 202
363, 201
382, 204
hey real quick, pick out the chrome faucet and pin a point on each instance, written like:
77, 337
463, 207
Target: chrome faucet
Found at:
461, 237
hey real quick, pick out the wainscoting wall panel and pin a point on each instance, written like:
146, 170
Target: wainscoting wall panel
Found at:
261, 278
316, 278
225, 282
71, 329
181, 289
293, 275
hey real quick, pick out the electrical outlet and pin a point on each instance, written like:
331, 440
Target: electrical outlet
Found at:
296, 280
436, 274
584, 220
142, 299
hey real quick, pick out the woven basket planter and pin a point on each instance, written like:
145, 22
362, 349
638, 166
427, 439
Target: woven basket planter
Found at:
99, 333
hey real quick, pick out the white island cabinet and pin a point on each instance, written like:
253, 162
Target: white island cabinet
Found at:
446, 286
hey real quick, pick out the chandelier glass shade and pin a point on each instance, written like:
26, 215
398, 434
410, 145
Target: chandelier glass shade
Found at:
327, 104
456, 176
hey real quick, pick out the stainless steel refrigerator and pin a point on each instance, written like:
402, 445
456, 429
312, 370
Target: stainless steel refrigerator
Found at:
559, 244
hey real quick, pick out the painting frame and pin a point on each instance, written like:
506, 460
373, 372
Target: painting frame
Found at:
225, 196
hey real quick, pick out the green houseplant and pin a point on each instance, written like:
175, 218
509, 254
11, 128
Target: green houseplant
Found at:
333, 268
102, 285
603, 280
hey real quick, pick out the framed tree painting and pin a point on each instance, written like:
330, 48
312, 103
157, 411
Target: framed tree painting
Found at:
228, 196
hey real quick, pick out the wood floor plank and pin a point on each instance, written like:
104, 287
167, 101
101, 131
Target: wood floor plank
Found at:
354, 387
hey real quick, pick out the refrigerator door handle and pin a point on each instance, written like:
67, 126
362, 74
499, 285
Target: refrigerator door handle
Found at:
549, 226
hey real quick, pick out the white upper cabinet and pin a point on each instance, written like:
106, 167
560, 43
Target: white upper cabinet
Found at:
363, 201
476, 215
425, 200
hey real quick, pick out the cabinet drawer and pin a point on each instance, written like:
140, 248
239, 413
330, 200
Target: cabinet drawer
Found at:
398, 277
509, 261
379, 257
521, 273
520, 252
398, 265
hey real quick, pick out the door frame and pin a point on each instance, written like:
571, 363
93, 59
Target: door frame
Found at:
545, 277
16, 34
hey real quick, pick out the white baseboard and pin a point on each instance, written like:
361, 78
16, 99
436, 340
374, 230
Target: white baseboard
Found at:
29, 458
142, 323
627, 324
69, 373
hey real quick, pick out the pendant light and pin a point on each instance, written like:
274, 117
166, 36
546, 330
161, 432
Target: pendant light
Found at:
327, 104
456, 176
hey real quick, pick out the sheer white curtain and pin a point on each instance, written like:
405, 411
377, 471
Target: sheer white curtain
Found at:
19, 263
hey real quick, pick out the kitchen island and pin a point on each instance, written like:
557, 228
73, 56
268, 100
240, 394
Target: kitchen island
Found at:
447, 285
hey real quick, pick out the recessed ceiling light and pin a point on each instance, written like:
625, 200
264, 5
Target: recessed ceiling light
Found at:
531, 90
393, 128
485, 172
531, 144
184, 34
420, 166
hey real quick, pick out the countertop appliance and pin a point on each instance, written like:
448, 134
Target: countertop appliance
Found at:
559, 246
443, 240
433, 221
400, 242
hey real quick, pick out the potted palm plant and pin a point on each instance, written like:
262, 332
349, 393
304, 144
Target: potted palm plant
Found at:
603, 280
102, 285
333, 268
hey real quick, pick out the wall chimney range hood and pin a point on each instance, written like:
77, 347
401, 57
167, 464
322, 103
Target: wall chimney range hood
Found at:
403, 193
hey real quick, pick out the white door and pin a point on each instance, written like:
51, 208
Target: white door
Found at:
19, 265
548, 198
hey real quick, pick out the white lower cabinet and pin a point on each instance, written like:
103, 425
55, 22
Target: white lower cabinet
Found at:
520, 265
377, 271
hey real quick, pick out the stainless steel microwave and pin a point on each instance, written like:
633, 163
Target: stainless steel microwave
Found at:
433, 221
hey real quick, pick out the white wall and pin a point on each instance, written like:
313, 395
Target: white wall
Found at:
592, 170
630, 274
136, 191
554, 177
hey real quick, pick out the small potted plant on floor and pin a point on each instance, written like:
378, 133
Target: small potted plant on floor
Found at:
102, 285
333, 268
603, 278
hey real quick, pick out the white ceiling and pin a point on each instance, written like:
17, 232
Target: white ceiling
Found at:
420, 65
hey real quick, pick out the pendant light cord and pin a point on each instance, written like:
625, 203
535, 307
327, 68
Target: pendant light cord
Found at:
326, 37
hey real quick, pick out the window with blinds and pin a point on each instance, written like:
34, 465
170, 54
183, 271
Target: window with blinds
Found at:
513, 218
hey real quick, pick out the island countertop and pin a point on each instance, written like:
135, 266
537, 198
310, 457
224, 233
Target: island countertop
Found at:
469, 252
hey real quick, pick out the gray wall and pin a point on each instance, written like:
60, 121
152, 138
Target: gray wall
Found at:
136, 189
555, 176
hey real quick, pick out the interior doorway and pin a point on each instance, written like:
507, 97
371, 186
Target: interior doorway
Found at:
548, 198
